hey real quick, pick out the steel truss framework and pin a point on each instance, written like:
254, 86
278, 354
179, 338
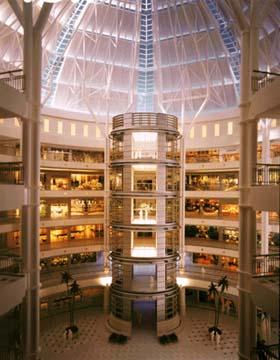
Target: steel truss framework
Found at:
93, 54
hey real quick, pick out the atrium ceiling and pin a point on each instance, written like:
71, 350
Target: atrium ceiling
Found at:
95, 52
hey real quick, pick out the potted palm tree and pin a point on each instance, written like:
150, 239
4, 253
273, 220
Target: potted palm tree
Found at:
216, 292
66, 277
74, 290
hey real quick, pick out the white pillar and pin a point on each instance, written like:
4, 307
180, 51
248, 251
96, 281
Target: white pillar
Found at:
247, 221
265, 127
106, 203
31, 160
182, 205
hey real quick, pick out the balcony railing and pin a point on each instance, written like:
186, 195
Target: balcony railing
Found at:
197, 159
267, 174
147, 120
266, 265
13, 78
261, 79
11, 173
11, 265
10, 353
267, 352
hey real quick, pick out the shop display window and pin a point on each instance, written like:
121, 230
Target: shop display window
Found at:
59, 183
10, 148
213, 182
229, 263
87, 182
201, 232
274, 217
87, 257
43, 236
224, 262
231, 236
87, 232
202, 207
61, 154
43, 208
62, 262
10, 240
59, 210
209, 207
88, 156
230, 210
10, 215
274, 150
144, 211
58, 235
43, 181
274, 239
205, 259
85, 207
203, 156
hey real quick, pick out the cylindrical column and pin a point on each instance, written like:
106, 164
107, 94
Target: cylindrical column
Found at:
247, 220
144, 218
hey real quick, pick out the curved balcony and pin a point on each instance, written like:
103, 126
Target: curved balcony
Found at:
145, 121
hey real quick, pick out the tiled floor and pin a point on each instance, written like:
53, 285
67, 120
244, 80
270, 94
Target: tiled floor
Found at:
92, 343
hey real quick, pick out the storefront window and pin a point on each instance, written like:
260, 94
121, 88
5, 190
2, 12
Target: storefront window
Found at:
85, 207
87, 182
58, 235
43, 208
213, 182
59, 183
59, 210
231, 236
230, 210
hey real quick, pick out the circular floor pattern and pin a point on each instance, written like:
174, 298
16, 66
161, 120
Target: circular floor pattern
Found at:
92, 342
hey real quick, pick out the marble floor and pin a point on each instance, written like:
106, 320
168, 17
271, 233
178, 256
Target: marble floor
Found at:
92, 342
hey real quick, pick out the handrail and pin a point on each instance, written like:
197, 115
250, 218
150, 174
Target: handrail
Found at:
11, 265
268, 352
266, 265
259, 82
13, 79
11, 173
266, 72
10, 71
10, 353
266, 174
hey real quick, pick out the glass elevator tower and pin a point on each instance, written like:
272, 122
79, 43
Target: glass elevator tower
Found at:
144, 218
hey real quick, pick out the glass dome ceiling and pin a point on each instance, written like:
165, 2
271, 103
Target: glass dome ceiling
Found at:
104, 57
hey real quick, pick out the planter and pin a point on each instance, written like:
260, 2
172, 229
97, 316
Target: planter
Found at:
215, 334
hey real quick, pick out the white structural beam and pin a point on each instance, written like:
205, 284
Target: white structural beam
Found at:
31, 159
